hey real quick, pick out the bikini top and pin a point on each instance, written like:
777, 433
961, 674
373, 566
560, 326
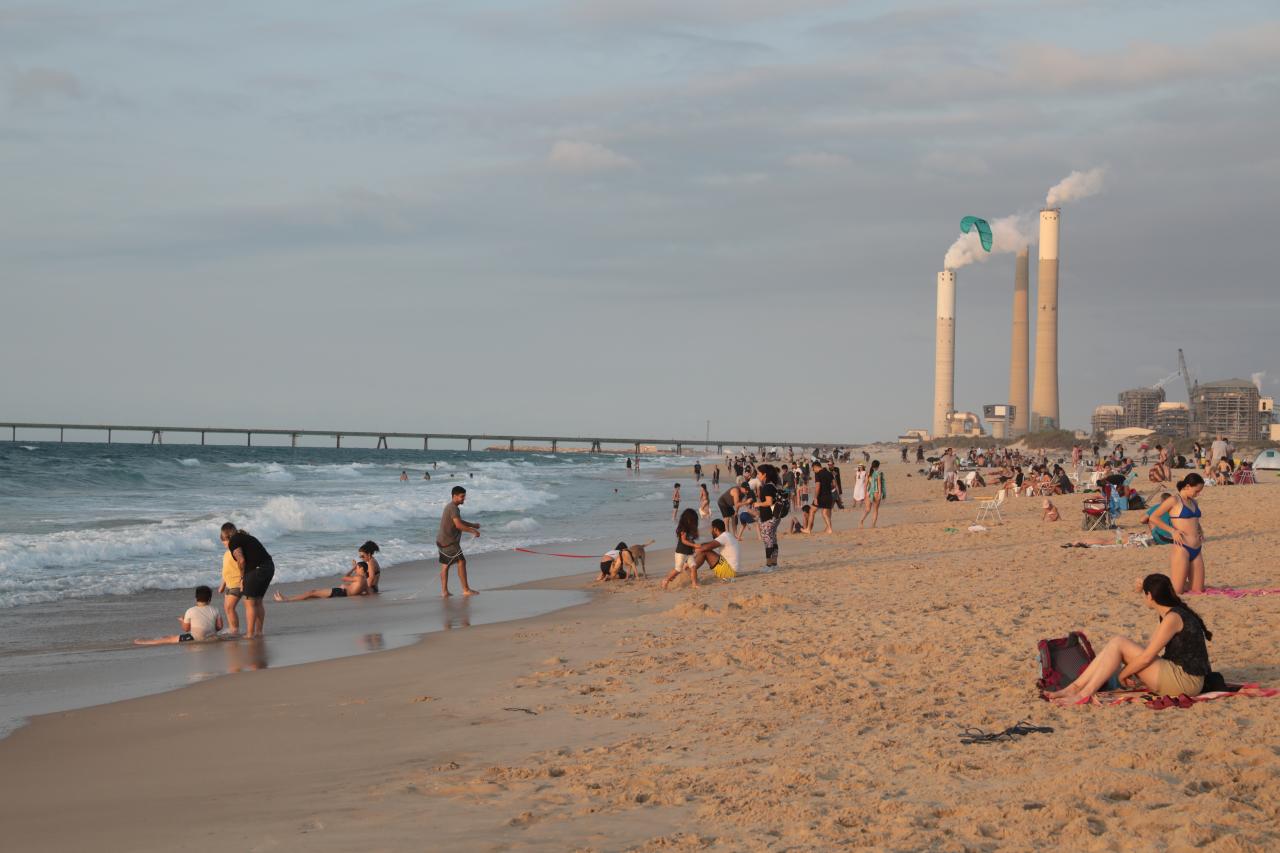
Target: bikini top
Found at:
1185, 511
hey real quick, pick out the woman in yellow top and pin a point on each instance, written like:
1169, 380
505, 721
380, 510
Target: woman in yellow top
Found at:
230, 589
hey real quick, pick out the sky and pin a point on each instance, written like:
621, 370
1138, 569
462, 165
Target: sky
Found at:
621, 218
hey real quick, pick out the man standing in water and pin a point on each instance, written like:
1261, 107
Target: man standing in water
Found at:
256, 572
449, 541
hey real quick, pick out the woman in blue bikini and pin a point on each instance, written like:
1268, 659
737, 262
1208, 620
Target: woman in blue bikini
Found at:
1186, 563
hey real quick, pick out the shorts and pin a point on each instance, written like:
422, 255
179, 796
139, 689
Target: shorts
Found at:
338, 592
675, 504
450, 554
825, 501
745, 518
682, 562
255, 581
233, 590
186, 638
726, 509
1174, 680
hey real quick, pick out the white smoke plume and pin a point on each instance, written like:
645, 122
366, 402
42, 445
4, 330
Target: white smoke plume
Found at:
1008, 234
1076, 185
1257, 379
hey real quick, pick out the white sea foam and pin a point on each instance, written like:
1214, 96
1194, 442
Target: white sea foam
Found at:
28, 447
520, 525
189, 463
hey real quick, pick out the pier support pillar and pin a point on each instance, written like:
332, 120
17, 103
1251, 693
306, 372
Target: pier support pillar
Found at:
156, 437
13, 434
511, 444
202, 438
382, 443
424, 442
248, 439
108, 435
62, 435
468, 445
554, 445
637, 450
293, 439
338, 437
719, 450
595, 447
679, 449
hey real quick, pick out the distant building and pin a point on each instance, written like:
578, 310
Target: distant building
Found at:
1230, 407
964, 424
1140, 406
1106, 418
999, 418
1173, 420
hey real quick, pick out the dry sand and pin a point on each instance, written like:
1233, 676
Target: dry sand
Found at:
814, 708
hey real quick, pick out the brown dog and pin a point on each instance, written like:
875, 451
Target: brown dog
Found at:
638, 557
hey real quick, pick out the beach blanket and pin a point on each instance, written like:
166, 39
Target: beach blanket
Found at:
1122, 697
1234, 592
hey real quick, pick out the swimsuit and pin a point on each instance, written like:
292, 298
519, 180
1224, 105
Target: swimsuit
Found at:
1185, 511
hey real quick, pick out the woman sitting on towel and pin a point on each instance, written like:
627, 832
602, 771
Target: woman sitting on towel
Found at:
1181, 635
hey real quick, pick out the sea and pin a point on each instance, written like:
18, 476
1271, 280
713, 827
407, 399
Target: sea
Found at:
101, 543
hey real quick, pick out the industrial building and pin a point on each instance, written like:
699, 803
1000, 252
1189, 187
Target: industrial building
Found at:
1173, 420
1108, 417
1140, 406
1230, 407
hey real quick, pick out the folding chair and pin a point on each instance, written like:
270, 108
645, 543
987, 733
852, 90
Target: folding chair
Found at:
989, 509
1097, 510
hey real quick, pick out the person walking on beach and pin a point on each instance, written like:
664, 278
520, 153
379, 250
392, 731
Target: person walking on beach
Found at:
825, 499
876, 493
715, 478
860, 485
697, 471
704, 502
256, 571
449, 541
686, 544
675, 502
949, 471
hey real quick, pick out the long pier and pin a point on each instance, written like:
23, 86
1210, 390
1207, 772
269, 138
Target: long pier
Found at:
596, 443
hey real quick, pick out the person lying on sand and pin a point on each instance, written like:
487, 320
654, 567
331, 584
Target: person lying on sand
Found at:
202, 622
353, 584
1181, 636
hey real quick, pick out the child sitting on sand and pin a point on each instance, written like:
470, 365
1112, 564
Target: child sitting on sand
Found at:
1050, 511
201, 622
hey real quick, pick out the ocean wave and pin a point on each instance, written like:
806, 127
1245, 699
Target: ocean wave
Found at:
520, 525
189, 463
271, 471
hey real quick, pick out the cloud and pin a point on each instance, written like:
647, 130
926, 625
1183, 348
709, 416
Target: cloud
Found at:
1008, 234
819, 161
586, 157
37, 86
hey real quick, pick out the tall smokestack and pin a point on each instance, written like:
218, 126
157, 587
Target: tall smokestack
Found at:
1019, 378
1044, 407
944, 366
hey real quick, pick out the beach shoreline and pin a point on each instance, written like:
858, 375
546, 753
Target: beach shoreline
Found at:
814, 707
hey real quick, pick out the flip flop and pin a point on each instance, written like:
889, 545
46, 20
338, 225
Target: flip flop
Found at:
1184, 701
1161, 702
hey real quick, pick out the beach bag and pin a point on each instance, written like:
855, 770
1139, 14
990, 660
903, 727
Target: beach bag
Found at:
1062, 660
781, 505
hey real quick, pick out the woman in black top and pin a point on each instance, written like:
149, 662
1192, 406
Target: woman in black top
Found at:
1181, 635
766, 499
258, 569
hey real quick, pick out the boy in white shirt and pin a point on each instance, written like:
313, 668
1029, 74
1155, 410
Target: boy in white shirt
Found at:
202, 622
721, 553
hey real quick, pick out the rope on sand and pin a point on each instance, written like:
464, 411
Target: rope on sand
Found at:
570, 556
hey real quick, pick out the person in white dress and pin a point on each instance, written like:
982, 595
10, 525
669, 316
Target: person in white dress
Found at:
860, 485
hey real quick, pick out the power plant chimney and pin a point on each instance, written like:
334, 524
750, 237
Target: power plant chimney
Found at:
1019, 378
944, 366
1044, 407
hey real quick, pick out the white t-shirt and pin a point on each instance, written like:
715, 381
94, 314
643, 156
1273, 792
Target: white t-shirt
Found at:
203, 620
729, 548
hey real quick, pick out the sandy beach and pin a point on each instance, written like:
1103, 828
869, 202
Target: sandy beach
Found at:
812, 708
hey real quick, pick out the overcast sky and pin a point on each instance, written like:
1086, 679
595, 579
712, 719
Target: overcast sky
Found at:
618, 216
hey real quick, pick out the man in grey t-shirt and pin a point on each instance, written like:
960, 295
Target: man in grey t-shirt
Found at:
449, 541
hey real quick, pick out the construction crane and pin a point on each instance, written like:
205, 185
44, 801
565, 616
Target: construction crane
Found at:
1167, 379
1186, 375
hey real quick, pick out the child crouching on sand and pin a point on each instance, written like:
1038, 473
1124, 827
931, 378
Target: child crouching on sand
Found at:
1050, 511
202, 622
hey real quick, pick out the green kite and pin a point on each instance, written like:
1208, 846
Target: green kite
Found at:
984, 230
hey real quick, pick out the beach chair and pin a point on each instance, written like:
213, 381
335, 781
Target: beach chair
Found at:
1096, 509
989, 508
1244, 475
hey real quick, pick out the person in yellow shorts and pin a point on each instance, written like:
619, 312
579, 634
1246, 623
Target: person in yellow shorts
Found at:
230, 589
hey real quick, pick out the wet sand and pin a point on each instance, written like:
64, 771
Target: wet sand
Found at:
813, 708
